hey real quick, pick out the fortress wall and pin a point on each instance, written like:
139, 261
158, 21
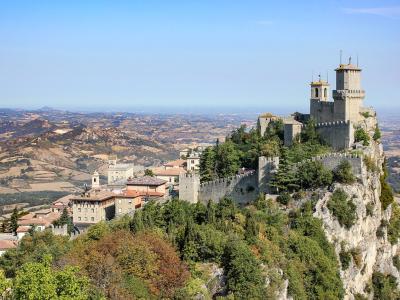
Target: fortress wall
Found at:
322, 111
240, 188
339, 134
189, 187
267, 166
332, 160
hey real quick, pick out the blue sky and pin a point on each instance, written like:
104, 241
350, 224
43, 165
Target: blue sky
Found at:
216, 53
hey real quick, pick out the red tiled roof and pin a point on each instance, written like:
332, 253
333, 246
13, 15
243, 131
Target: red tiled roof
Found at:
175, 163
95, 196
23, 228
169, 172
146, 180
6, 244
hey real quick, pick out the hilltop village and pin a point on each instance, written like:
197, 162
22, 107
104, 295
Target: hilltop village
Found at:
324, 170
129, 187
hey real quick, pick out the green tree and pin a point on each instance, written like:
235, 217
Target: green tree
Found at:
148, 172
14, 220
210, 213
207, 165
313, 174
227, 160
342, 208
244, 277
360, 135
70, 285
343, 172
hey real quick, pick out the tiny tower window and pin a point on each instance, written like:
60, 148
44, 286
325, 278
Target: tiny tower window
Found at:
316, 93
325, 93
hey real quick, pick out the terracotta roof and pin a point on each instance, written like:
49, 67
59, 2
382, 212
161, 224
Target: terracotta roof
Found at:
34, 221
6, 244
146, 180
168, 172
95, 196
175, 163
27, 216
129, 194
23, 228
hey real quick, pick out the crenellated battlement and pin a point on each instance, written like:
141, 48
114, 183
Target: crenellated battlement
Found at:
333, 124
227, 180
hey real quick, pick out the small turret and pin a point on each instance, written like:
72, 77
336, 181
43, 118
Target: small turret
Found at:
320, 90
95, 180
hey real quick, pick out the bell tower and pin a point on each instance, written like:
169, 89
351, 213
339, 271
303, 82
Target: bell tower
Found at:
348, 95
95, 180
321, 109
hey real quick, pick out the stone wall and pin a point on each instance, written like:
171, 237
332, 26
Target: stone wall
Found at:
189, 185
240, 188
267, 166
339, 135
322, 111
332, 160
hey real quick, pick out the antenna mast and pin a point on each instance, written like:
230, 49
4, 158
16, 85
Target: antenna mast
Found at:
341, 52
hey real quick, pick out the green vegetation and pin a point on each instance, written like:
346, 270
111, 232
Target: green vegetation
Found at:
393, 228
396, 262
384, 286
377, 134
370, 165
360, 135
344, 173
386, 196
369, 207
345, 259
148, 172
14, 221
65, 219
132, 257
342, 208
366, 114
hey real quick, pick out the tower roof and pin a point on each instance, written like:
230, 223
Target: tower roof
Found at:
318, 83
350, 66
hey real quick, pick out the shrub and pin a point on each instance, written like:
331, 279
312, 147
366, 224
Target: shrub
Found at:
357, 258
396, 262
342, 208
366, 114
385, 286
284, 198
345, 259
369, 209
343, 172
377, 134
386, 196
313, 175
369, 164
360, 135
394, 225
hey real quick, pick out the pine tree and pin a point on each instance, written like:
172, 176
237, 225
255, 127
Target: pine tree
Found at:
207, 164
285, 179
14, 221
210, 215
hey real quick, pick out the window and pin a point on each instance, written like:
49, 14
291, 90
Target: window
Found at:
92, 218
316, 93
79, 219
85, 218
92, 210
94, 179
120, 210
79, 209
325, 92
130, 201
119, 201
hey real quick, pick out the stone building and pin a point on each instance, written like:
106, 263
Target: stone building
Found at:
148, 186
337, 119
93, 207
127, 203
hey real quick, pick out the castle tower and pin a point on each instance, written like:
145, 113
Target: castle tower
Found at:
321, 109
95, 180
319, 90
348, 95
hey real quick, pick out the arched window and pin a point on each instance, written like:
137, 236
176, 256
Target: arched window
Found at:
325, 92
316, 93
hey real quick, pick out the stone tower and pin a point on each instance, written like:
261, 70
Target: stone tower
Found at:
95, 180
321, 109
348, 95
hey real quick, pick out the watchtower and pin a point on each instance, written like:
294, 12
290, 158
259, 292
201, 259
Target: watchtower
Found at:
348, 95
95, 180
321, 109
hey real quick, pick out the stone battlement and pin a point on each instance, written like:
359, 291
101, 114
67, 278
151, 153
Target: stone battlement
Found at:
331, 124
227, 180
332, 160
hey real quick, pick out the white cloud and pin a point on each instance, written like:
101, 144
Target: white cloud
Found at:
390, 12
